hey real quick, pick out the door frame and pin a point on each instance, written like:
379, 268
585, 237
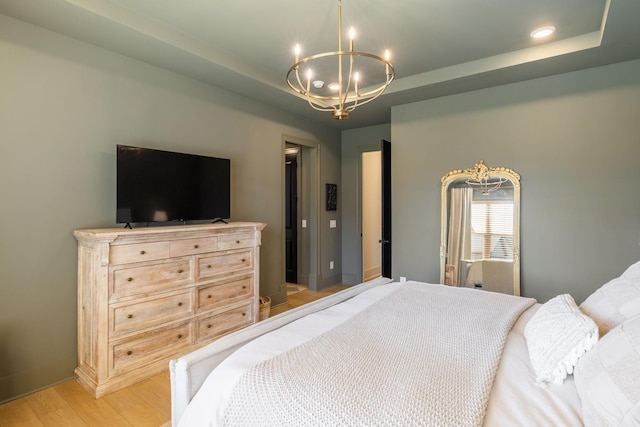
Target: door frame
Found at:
371, 222
292, 210
309, 209
386, 206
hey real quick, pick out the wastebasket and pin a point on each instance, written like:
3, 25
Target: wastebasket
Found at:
265, 308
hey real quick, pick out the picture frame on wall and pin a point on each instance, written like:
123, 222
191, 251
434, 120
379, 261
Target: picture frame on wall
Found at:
332, 197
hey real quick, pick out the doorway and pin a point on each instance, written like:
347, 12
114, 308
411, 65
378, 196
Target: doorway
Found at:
375, 191
291, 214
371, 214
300, 250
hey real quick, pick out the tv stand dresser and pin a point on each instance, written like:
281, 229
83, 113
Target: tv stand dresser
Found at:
147, 295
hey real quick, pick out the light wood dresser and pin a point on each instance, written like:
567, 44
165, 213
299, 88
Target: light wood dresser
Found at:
147, 295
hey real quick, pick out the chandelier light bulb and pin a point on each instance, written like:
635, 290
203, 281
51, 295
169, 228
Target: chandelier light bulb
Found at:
352, 33
387, 55
356, 76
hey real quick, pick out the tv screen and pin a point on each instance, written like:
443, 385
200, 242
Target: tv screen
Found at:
159, 186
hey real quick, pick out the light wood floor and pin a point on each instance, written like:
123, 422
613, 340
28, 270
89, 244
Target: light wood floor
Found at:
147, 403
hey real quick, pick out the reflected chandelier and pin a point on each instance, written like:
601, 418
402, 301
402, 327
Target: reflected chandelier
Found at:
481, 180
341, 92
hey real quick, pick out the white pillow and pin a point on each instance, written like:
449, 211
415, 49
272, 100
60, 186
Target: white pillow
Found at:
608, 378
557, 335
616, 301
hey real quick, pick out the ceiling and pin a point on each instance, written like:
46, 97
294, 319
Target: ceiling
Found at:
439, 47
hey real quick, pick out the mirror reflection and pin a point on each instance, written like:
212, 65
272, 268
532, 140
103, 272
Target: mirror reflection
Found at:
480, 229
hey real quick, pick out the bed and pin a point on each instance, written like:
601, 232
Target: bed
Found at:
389, 353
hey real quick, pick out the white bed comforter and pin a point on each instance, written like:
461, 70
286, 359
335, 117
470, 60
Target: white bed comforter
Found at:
426, 354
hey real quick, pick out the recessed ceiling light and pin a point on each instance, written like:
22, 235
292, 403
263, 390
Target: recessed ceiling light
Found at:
542, 32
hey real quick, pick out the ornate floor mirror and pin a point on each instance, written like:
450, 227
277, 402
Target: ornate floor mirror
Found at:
480, 229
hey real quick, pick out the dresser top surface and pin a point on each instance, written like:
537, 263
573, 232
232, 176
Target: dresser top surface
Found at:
112, 234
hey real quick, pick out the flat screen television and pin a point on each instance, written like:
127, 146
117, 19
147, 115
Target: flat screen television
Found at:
160, 186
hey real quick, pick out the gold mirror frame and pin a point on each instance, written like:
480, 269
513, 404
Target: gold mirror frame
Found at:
481, 173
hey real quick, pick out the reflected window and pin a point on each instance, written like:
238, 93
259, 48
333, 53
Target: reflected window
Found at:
491, 230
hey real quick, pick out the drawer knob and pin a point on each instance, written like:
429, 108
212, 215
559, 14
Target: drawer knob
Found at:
130, 279
143, 252
208, 296
209, 326
244, 314
179, 336
195, 246
209, 266
130, 316
179, 271
129, 353
244, 286
237, 242
179, 304
243, 260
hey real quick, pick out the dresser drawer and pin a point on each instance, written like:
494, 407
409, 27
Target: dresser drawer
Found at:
194, 246
235, 241
138, 315
213, 326
137, 252
225, 293
137, 352
224, 262
150, 278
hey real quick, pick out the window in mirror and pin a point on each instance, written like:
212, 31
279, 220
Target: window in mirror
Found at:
480, 229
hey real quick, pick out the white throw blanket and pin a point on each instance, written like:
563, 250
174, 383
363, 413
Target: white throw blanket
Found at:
425, 355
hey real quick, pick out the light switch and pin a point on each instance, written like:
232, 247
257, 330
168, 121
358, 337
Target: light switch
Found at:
304, 223
332, 223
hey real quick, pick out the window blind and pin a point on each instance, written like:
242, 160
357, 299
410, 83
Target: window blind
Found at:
491, 229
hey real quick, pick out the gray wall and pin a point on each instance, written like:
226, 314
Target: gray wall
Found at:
575, 140
64, 105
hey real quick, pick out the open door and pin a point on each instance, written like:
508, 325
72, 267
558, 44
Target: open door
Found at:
386, 208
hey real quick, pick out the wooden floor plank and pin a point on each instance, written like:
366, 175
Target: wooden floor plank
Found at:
144, 416
123, 400
46, 401
155, 396
19, 414
63, 417
95, 412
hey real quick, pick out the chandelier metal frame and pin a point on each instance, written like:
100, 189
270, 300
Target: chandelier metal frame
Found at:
348, 97
484, 179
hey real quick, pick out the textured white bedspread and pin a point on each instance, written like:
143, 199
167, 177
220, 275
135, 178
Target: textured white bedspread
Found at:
515, 399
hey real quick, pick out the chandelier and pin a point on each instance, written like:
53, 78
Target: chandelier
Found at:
344, 89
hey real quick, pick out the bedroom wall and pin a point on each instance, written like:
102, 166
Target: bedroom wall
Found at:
574, 139
64, 106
